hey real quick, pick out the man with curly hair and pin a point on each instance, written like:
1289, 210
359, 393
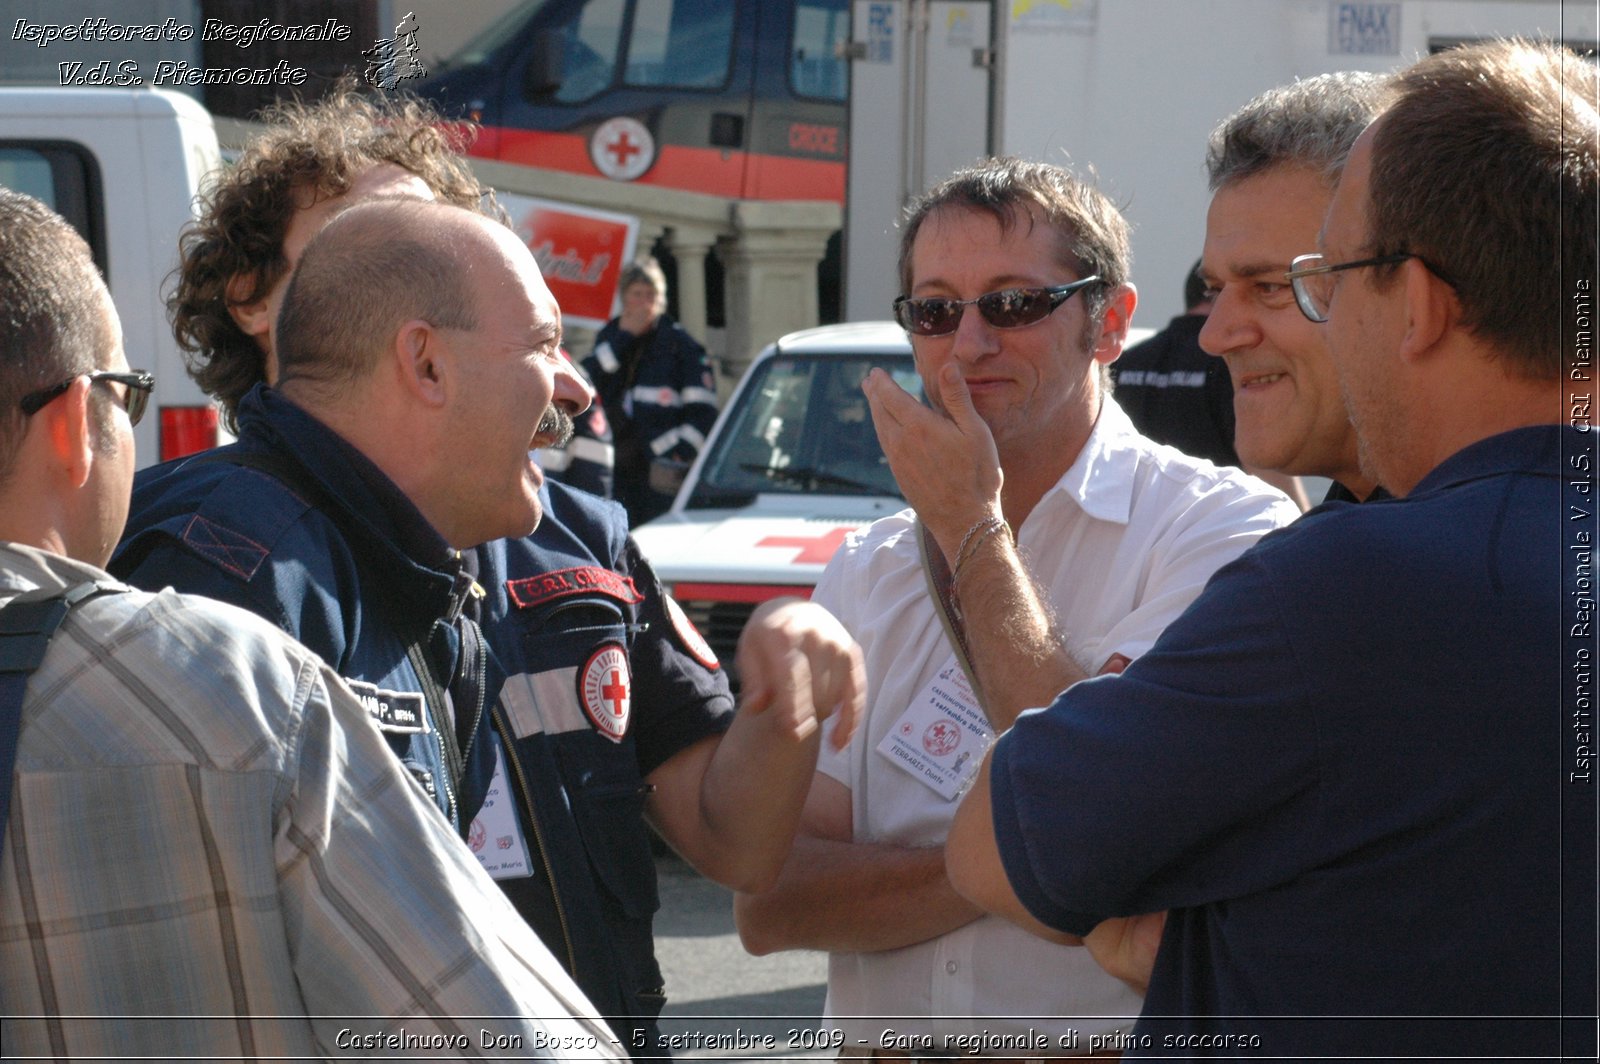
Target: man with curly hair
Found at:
309, 164
613, 711
215, 760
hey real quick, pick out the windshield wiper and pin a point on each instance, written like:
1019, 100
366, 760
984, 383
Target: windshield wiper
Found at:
706, 498
808, 478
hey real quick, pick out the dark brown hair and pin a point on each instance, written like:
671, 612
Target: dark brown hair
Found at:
320, 148
1093, 233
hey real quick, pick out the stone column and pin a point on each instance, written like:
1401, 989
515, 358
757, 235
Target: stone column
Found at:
650, 231
689, 246
770, 268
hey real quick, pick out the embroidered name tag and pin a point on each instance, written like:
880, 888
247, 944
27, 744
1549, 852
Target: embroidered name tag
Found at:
583, 580
402, 712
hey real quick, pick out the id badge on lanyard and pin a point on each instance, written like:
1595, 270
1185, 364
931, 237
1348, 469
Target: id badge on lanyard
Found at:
942, 737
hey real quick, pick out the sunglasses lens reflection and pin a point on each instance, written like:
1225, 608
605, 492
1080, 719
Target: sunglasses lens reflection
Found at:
1009, 309
1014, 307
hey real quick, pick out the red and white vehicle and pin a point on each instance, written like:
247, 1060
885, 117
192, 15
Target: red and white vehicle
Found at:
792, 467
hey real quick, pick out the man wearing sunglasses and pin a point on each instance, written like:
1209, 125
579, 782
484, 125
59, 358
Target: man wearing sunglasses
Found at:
1017, 301
136, 388
208, 850
1370, 808
1272, 166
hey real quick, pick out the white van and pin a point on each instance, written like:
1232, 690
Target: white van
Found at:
124, 166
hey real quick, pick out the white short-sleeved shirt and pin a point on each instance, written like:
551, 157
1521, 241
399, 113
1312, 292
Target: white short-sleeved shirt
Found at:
1120, 546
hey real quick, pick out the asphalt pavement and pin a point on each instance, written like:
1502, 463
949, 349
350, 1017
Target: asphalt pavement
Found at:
722, 1003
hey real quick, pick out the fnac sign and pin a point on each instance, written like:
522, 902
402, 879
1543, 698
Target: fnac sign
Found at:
580, 251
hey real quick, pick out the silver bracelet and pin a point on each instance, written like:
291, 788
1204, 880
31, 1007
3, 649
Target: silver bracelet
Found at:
974, 530
963, 556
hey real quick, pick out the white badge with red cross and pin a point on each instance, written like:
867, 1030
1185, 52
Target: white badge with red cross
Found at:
495, 837
942, 737
622, 148
605, 690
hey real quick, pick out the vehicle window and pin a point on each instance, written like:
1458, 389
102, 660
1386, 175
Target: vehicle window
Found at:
816, 69
802, 428
27, 171
682, 44
62, 176
494, 36
589, 58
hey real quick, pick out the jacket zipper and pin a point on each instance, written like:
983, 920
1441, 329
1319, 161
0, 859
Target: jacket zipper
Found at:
524, 794
480, 680
445, 731
482, 660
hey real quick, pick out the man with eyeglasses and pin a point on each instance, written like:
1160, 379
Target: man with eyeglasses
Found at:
1356, 772
1017, 301
1272, 166
209, 853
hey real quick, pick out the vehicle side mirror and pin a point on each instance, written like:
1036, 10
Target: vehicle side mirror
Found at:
542, 75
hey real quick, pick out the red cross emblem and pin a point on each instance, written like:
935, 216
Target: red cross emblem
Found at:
814, 550
605, 689
693, 641
622, 148
941, 738
615, 694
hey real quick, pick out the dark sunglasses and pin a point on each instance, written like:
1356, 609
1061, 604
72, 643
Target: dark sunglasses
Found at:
1010, 308
135, 399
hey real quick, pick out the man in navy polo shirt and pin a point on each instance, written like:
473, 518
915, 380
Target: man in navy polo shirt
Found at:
1366, 813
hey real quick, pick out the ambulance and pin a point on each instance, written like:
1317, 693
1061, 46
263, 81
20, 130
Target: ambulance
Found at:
791, 468
734, 98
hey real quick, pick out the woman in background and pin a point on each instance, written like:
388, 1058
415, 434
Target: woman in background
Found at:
657, 390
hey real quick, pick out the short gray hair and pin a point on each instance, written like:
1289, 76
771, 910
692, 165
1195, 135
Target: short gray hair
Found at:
1310, 123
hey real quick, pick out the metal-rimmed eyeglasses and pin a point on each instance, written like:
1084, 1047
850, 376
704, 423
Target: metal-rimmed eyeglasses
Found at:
1009, 308
1312, 279
138, 382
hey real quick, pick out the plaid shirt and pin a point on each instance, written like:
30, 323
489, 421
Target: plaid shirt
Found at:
211, 852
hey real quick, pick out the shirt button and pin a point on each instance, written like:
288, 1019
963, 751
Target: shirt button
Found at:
951, 966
